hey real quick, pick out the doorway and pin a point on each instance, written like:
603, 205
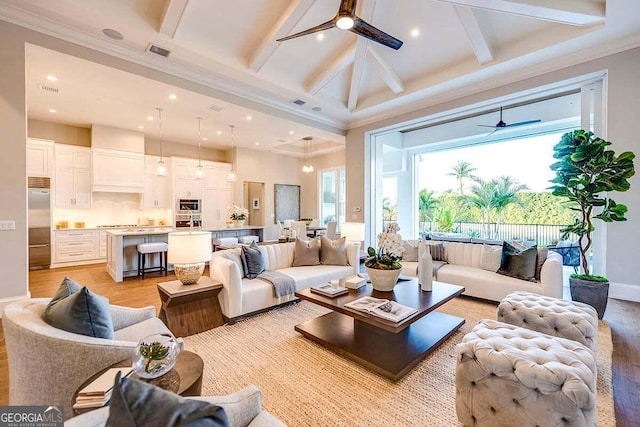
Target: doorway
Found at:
254, 201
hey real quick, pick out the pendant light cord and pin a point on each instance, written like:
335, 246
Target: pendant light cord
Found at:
160, 129
199, 140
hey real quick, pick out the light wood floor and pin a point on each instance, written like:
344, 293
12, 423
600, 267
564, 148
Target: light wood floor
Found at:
623, 316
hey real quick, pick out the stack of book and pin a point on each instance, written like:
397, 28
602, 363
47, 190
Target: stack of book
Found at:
98, 393
329, 290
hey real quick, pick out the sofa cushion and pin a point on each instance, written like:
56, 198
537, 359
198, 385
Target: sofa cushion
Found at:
307, 252
410, 250
491, 258
234, 255
138, 404
518, 263
140, 330
333, 252
307, 276
78, 310
252, 261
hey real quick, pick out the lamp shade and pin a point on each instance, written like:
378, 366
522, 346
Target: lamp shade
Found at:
352, 231
189, 247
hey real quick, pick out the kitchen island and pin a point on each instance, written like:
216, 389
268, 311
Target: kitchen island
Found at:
245, 230
122, 249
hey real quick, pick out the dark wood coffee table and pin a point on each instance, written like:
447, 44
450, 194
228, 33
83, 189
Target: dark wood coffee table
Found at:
185, 378
388, 348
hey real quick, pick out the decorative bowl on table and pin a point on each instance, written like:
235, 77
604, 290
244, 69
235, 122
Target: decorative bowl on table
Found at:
155, 355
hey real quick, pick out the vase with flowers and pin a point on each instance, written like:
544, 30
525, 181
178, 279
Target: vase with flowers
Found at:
383, 265
238, 214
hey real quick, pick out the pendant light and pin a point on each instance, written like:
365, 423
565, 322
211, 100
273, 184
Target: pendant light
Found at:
161, 168
199, 169
308, 167
232, 176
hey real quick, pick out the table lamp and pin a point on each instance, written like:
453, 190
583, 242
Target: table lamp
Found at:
188, 252
352, 231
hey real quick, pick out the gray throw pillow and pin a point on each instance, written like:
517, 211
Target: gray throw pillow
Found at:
306, 252
437, 251
77, 310
138, 404
518, 263
542, 257
333, 252
252, 261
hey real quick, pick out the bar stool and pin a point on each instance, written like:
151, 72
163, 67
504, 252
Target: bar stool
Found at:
152, 248
223, 241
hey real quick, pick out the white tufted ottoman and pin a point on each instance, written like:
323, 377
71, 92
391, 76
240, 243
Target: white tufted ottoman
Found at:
566, 319
511, 376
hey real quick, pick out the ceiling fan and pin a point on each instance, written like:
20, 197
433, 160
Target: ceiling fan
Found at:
503, 125
346, 19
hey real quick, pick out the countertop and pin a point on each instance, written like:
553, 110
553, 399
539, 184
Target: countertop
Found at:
110, 228
141, 230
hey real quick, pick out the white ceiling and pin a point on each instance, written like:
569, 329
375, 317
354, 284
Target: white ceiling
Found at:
463, 46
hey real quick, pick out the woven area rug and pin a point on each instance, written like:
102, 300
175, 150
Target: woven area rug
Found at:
305, 384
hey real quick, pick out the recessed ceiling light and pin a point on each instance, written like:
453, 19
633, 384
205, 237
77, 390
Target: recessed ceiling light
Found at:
317, 108
291, 132
51, 110
172, 96
219, 132
415, 32
150, 118
52, 78
320, 36
257, 143
205, 138
140, 127
113, 34
249, 117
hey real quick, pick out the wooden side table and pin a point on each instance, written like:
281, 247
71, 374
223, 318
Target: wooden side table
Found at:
190, 309
185, 378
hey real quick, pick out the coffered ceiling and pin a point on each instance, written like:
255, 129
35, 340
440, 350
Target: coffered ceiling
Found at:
451, 48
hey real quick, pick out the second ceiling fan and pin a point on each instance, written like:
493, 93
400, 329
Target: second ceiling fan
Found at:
346, 19
502, 125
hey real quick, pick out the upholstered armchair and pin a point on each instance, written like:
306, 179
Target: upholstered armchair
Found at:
47, 365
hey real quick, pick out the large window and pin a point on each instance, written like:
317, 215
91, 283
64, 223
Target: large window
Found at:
332, 197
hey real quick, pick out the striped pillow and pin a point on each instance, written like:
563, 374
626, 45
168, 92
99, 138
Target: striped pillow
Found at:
437, 252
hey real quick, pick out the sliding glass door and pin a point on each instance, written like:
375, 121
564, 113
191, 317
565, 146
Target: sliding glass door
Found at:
332, 196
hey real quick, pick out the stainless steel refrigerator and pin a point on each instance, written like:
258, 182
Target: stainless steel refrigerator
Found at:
39, 219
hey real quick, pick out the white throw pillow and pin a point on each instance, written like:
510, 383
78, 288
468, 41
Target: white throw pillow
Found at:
490, 257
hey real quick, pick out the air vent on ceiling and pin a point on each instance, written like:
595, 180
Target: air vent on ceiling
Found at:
216, 108
158, 50
49, 89
298, 102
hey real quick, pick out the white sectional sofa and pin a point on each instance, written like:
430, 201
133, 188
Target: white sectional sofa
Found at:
462, 266
242, 296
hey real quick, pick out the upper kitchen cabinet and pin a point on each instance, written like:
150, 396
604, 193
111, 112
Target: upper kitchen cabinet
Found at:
39, 157
118, 171
72, 178
156, 188
185, 183
215, 175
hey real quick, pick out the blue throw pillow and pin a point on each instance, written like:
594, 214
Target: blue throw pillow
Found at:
138, 404
77, 310
252, 262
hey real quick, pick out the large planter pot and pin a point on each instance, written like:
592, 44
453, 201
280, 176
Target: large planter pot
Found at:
383, 280
240, 222
595, 294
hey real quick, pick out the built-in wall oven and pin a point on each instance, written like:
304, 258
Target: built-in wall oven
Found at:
188, 213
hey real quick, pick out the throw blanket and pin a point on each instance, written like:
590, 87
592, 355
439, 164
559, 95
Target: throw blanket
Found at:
282, 284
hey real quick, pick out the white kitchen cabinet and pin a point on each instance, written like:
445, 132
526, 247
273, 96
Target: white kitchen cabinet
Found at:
72, 246
118, 171
214, 208
39, 157
215, 175
185, 183
72, 178
156, 188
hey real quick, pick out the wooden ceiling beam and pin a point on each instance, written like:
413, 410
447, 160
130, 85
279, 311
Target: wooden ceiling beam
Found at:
171, 16
366, 14
328, 73
389, 76
474, 34
583, 13
287, 21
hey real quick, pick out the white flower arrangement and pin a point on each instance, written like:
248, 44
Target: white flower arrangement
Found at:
389, 252
238, 212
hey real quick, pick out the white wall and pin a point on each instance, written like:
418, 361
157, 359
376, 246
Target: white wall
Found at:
13, 167
309, 205
623, 108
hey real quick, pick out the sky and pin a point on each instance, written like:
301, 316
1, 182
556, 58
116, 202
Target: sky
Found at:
527, 160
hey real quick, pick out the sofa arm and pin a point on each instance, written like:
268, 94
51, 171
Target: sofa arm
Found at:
126, 316
226, 272
353, 256
551, 275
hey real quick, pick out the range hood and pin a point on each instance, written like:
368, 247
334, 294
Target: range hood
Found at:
118, 160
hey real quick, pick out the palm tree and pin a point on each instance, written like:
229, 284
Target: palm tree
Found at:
482, 196
426, 205
462, 170
389, 211
506, 192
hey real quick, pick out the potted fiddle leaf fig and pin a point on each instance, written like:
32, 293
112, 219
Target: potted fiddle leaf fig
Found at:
586, 174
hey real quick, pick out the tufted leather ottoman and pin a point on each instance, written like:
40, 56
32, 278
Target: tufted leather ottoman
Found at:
553, 316
511, 376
